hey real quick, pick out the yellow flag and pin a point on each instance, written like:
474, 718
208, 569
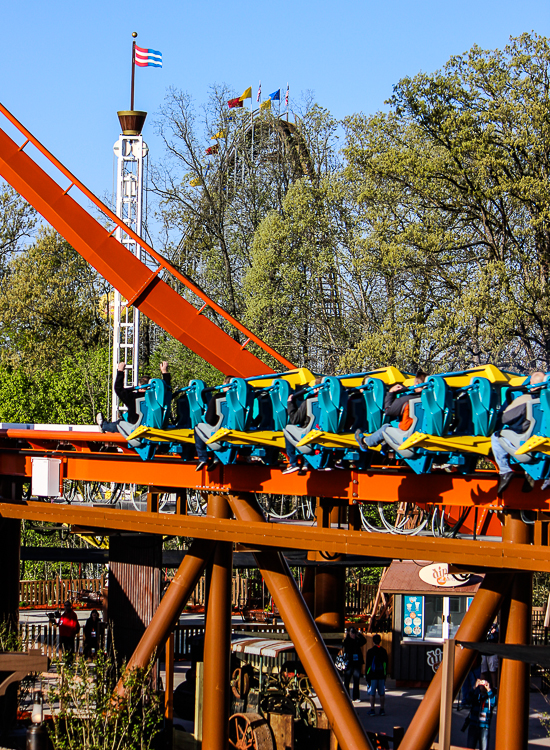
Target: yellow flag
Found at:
196, 182
247, 94
220, 134
266, 104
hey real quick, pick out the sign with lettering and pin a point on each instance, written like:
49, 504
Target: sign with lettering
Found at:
434, 658
437, 574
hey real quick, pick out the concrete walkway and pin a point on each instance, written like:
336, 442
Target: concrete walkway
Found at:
401, 705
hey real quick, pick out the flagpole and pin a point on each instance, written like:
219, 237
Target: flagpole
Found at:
134, 34
287, 100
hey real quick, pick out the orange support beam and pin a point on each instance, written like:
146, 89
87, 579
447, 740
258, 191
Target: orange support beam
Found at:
304, 634
153, 296
463, 552
82, 460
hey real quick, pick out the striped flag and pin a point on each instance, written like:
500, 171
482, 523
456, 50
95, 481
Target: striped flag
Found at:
286, 95
259, 92
148, 58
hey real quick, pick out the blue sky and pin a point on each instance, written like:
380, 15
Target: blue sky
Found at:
67, 64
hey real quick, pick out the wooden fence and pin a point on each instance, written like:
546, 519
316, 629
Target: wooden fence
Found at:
360, 597
54, 593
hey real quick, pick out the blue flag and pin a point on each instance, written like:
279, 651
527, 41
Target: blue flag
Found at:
276, 96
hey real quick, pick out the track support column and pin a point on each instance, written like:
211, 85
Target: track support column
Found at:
10, 553
425, 724
513, 700
330, 580
217, 639
305, 635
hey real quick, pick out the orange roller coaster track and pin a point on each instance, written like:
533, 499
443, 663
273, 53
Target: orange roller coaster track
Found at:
133, 279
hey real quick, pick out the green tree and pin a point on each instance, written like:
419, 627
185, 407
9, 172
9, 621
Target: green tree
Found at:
52, 305
452, 190
295, 289
17, 222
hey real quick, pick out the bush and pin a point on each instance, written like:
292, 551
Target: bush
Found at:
86, 715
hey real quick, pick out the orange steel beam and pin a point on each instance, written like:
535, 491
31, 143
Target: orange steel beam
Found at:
304, 634
513, 706
487, 601
153, 296
217, 639
462, 552
86, 463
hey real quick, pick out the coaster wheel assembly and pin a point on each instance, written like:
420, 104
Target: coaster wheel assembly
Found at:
250, 732
240, 682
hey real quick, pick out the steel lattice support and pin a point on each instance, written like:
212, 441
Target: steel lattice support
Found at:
131, 154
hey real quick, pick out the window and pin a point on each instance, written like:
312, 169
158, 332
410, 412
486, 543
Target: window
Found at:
441, 616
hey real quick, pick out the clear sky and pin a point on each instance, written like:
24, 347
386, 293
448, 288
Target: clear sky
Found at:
67, 64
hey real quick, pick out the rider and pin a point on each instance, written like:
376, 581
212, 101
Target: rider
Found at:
297, 415
205, 430
513, 416
395, 407
129, 396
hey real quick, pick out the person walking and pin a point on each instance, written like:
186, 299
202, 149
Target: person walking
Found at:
375, 673
352, 650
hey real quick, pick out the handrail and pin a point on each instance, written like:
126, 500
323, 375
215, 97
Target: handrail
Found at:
165, 264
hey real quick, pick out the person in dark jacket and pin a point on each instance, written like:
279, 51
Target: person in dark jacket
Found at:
376, 667
296, 408
482, 700
203, 430
352, 650
129, 396
395, 407
93, 631
513, 416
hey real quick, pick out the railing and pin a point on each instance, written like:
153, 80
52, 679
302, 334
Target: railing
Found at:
53, 593
360, 597
44, 637
240, 592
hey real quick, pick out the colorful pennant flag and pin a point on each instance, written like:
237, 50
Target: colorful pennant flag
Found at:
286, 97
219, 134
276, 96
266, 104
247, 94
234, 103
259, 92
213, 149
148, 58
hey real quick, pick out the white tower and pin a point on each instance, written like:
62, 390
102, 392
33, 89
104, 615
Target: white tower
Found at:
131, 154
